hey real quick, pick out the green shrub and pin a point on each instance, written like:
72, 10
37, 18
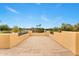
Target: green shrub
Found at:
52, 32
15, 29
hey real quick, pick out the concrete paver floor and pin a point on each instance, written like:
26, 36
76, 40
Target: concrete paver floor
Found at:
37, 46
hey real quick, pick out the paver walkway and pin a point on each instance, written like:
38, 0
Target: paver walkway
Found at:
37, 46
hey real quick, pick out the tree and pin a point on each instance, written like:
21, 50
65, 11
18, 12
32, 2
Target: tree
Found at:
15, 29
66, 27
4, 27
55, 29
76, 27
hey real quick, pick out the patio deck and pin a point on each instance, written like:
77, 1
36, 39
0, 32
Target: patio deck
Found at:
37, 46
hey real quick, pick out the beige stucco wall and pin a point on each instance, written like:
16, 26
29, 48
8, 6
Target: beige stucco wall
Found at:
4, 41
23, 37
13, 39
69, 40
58, 37
9, 40
77, 43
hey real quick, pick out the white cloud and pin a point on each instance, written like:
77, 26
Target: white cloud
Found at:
44, 18
12, 10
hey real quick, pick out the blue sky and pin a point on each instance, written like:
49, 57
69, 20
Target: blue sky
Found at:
30, 14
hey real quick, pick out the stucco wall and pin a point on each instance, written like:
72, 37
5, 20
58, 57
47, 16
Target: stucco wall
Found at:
69, 40
15, 39
4, 41
58, 37
23, 37
77, 43
12, 39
